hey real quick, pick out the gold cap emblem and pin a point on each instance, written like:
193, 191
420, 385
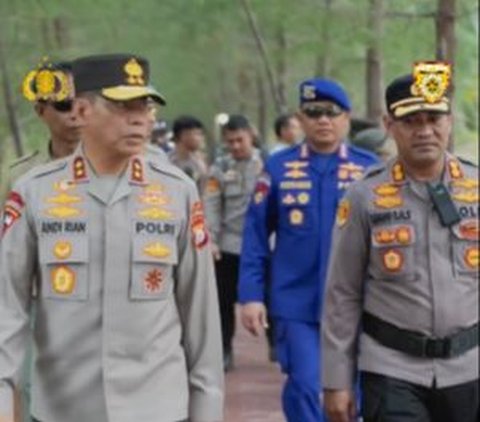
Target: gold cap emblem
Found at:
134, 72
431, 80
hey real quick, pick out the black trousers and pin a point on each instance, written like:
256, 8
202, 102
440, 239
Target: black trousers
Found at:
226, 270
386, 399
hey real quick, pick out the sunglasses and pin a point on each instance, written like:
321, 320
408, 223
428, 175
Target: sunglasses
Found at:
62, 106
330, 111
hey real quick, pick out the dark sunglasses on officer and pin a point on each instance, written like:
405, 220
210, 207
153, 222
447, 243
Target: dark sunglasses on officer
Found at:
60, 106
317, 111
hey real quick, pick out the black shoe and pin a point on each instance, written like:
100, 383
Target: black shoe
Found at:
228, 361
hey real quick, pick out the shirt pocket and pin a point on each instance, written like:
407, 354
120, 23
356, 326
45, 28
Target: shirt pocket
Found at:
154, 259
393, 253
64, 268
465, 249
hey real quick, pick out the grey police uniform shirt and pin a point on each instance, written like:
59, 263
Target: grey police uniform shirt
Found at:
127, 324
226, 197
194, 166
392, 257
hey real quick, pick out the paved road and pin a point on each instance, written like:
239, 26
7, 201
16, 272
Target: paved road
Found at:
254, 387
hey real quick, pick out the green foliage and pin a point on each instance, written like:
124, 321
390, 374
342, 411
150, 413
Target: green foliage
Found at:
204, 58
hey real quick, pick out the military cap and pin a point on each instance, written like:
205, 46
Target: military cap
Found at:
426, 89
117, 77
50, 81
317, 89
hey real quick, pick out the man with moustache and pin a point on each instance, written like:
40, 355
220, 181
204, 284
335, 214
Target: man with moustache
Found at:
402, 295
127, 326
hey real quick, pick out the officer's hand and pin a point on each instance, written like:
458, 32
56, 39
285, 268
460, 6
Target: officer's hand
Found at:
217, 255
254, 317
339, 405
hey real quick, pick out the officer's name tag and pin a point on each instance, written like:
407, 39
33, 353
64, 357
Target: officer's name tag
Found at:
56, 227
386, 217
142, 227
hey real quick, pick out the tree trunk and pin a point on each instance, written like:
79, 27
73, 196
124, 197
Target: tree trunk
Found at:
9, 105
263, 53
282, 65
445, 40
262, 109
323, 67
60, 29
374, 73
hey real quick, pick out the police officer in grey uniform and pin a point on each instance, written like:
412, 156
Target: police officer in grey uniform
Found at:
402, 296
127, 325
56, 111
227, 193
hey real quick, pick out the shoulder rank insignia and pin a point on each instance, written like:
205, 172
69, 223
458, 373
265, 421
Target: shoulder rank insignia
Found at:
63, 280
136, 174
343, 212
454, 169
79, 169
398, 173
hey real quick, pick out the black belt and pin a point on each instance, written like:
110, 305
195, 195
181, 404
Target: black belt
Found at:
417, 344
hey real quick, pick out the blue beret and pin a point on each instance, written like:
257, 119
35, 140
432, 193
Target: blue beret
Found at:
324, 90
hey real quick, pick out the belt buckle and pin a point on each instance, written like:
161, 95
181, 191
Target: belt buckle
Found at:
437, 347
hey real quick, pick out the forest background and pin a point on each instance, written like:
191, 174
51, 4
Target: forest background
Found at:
242, 56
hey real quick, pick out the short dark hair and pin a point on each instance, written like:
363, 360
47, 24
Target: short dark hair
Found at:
185, 123
281, 122
237, 122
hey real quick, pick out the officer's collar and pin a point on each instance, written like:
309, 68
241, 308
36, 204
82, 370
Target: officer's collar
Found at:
453, 170
305, 151
81, 169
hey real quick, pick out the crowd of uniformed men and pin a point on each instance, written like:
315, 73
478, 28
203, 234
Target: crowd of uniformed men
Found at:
123, 254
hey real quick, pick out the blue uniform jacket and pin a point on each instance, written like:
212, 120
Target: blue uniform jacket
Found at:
296, 198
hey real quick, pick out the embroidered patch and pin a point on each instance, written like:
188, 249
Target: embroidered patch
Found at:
156, 250
153, 281
63, 280
79, 169
296, 217
63, 212
343, 212
404, 235
386, 189
212, 185
289, 199
155, 213
197, 225
388, 202
384, 236
392, 260
262, 188
62, 249
471, 257
154, 195
10, 215
295, 174
468, 196
303, 198
296, 165
398, 174
16, 198
469, 230
291, 184
465, 183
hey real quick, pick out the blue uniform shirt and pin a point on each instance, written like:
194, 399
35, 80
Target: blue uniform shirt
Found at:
296, 198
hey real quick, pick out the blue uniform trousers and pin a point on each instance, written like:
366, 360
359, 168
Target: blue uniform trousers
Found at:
298, 352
